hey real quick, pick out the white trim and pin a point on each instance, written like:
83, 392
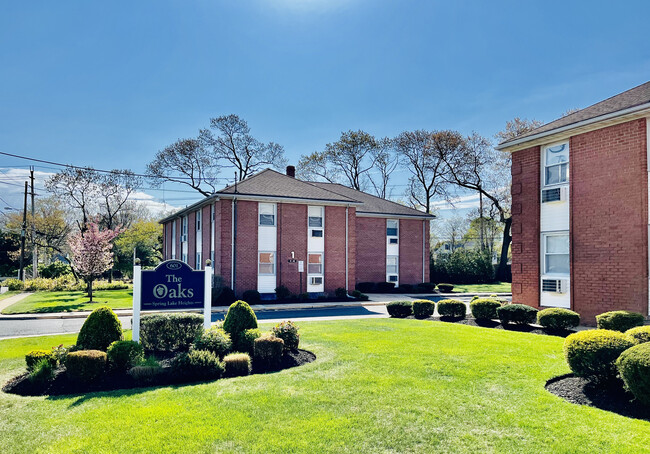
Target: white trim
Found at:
137, 297
395, 216
347, 263
297, 200
232, 244
423, 249
207, 297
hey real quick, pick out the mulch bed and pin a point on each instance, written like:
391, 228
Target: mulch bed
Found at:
61, 385
470, 321
609, 397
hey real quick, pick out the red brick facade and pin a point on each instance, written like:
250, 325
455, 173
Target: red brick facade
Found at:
292, 237
371, 249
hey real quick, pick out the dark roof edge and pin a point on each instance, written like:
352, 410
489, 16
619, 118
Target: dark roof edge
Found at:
188, 208
373, 214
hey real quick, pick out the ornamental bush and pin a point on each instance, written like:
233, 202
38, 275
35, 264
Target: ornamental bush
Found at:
197, 365
223, 296
123, 355
341, 293
237, 364
634, 368
42, 372
484, 308
384, 287
214, 340
267, 353
358, 295
445, 288
282, 292
101, 329
252, 297
13, 284
556, 318
400, 309
520, 314
145, 374
239, 318
288, 332
365, 287
639, 334
423, 308
619, 320
35, 356
85, 365
246, 340
592, 354
170, 332
452, 308
427, 286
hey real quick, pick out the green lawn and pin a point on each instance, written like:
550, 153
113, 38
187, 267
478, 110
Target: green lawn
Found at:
378, 385
8, 294
498, 287
42, 302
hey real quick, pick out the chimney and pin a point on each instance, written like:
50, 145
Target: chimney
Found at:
291, 171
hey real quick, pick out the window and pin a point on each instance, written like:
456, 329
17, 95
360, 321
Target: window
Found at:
317, 233
556, 254
393, 240
198, 221
391, 264
173, 239
315, 221
198, 261
266, 263
316, 280
184, 226
315, 264
392, 278
267, 214
391, 227
184, 257
556, 164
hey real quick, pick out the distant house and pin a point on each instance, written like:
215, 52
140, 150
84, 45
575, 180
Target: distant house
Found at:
580, 208
341, 236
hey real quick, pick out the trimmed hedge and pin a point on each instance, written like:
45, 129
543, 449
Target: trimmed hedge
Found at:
592, 354
123, 355
365, 287
267, 353
452, 308
252, 296
35, 356
223, 296
484, 308
358, 295
214, 340
237, 364
520, 314
246, 340
239, 318
288, 332
556, 318
445, 288
385, 287
170, 332
634, 368
619, 320
341, 293
198, 365
400, 309
101, 329
85, 365
639, 334
427, 286
423, 308
282, 292
13, 284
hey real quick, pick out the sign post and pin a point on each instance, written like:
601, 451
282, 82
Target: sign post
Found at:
207, 297
137, 297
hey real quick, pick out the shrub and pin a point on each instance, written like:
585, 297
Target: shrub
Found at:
123, 355
484, 308
558, 318
592, 354
452, 308
237, 364
252, 297
223, 297
405, 288
282, 292
267, 353
639, 334
385, 287
197, 365
13, 284
445, 288
145, 373
246, 340
634, 368
170, 332
214, 340
85, 365
101, 329
520, 314
400, 309
288, 332
423, 308
427, 286
464, 265
365, 287
619, 320
239, 318
358, 295
341, 293
42, 372
35, 356
54, 270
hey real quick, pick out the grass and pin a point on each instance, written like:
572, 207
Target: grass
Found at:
378, 385
8, 294
45, 302
497, 287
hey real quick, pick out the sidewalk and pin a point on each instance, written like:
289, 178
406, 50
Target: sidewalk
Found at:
13, 299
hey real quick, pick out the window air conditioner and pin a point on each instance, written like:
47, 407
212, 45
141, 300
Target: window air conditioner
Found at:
555, 195
555, 285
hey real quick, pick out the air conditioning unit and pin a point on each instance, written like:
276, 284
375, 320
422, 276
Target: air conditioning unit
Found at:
555, 194
555, 285
316, 280
183, 238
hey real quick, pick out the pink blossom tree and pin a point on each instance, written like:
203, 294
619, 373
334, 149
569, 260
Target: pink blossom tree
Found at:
92, 254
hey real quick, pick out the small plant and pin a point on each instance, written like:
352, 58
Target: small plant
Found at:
246, 340
423, 308
555, 318
282, 292
145, 374
520, 314
252, 297
60, 353
365, 287
214, 340
445, 288
452, 308
427, 286
619, 320
267, 353
170, 332
123, 355
592, 354
358, 295
634, 368
484, 308
341, 293
36, 356
405, 288
86, 365
198, 365
42, 372
385, 287
13, 284
400, 309
639, 334
288, 332
101, 329
237, 364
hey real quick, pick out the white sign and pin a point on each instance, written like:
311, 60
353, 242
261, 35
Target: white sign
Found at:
301, 266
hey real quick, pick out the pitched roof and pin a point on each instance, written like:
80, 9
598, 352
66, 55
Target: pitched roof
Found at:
636, 96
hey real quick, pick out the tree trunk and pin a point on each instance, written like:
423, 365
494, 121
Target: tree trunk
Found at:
90, 290
502, 271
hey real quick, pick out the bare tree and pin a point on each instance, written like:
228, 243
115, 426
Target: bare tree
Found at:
316, 167
78, 188
386, 161
115, 188
516, 127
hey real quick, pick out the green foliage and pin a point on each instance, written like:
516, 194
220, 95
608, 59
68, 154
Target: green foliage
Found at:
282, 292
365, 287
452, 308
214, 340
252, 297
619, 320
400, 309
520, 314
267, 353
101, 329
423, 308
54, 269
86, 365
13, 284
639, 334
237, 364
35, 356
239, 318
341, 293
145, 373
427, 286
143, 236
445, 288
384, 287
466, 266
358, 295
123, 355
245, 341
288, 332
42, 372
634, 368
223, 296
484, 308
197, 365
556, 318
170, 332
592, 354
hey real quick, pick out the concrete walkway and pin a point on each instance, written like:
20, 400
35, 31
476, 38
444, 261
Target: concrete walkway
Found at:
12, 299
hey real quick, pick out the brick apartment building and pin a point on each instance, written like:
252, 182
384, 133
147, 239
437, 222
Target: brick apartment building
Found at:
580, 209
341, 236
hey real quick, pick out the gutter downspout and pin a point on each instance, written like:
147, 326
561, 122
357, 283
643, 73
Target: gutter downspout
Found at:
423, 248
233, 213
346, 248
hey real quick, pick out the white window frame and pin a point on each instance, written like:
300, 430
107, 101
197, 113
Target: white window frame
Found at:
396, 265
199, 265
274, 255
198, 218
321, 228
396, 221
274, 214
322, 264
545, 254
173, 256
545, 151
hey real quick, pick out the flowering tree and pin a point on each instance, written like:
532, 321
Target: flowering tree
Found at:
91, 253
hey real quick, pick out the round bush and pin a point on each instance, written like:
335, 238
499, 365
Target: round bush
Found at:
452, 308
101, 329
556, 318
639, 334
85, 365
170, 332
634, 368
197, 365
123, 355
427, 286
400, 309
245, 341
35, 356
341, 293
223, 296
619, 320
423, 308
520, 314
385, 287
365, 287
445, 288
239, 318
592, 354
288, 332
214, 340
252, 297
267, 353
484, 308
237, 364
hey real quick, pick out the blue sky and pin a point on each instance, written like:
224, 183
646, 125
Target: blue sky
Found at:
108, 84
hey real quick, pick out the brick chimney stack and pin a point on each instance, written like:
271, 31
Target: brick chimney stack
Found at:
291, 171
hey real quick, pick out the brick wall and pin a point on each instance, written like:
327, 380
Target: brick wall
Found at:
191, 239
371, 249
224, 239
410, 251
352, 247
246, 247
526, 172
334, 248
292, 236
427, 250
205, 230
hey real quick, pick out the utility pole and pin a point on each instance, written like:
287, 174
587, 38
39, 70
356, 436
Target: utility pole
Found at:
34, 251
21, 271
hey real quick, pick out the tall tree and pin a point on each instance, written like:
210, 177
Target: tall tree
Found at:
386, 161
315, 167
145, 236
115, 188
78, 188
